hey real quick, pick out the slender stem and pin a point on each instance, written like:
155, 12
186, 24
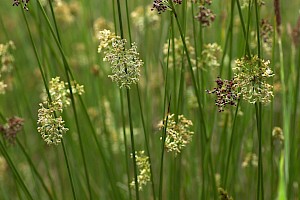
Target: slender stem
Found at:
32, 165
125, 144
163, 152
69, 170
231, 144
258, 110
132, 146
14, 170
66, 67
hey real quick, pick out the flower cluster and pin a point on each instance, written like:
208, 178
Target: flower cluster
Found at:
178, 133
245, 3
226, 92
144, 18
17, 3
179, 52
6, 64
267, 35
250, 159
205, 15
100, 24
143, 166
163, 5
51, 126
223, 195
11, 128
251, 75
210, 55
125, 63
66, 13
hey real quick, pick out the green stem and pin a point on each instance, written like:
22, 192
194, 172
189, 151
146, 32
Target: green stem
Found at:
18, 179
125, 144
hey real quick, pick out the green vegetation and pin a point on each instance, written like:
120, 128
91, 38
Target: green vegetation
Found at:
170, 99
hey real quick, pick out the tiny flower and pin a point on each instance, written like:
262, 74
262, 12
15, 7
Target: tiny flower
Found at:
17, 3
251, 75
143, 166
277, 134
11, 128
125, 63
178, 133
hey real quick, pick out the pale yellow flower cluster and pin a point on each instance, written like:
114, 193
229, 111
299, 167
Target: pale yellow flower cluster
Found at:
6, 65
51, 126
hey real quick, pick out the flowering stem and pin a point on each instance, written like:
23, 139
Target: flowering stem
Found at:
258, 109
66, 67
207, 138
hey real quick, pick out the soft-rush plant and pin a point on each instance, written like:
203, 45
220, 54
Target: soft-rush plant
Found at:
169, 99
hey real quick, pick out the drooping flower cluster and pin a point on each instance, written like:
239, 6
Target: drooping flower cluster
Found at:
125, 63
226, 92
13, 126
251, 75
163, 5
267, 35
178, 133
51, 126
65, 12
144, 18
6, 66
210, 55
143, 166
179, 52
18, 2
205, 16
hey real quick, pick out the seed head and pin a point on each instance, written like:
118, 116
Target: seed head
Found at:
11, 128
205, 15
226, 92
17, 3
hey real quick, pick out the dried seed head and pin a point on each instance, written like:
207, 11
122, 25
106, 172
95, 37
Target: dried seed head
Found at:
226, 92
13, 126
205, 16
18, 2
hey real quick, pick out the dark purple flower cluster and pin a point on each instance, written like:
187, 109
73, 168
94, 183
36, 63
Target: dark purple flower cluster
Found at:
266, 30
177, 1
226, 92
205, 16
160, 6
11, 128
17, 3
